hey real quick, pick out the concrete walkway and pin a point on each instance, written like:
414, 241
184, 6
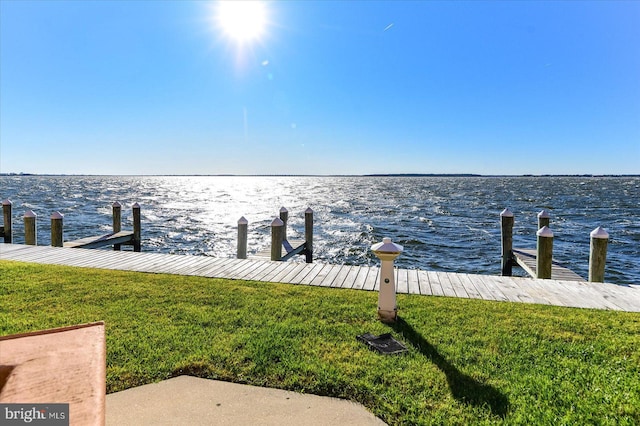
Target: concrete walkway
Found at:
186, 400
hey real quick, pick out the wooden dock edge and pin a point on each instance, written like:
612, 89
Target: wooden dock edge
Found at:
577, 294
122, 237
526, 259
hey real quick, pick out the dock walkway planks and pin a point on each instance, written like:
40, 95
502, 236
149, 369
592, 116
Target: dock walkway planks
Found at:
122, 237
568, 293
526, 259
287, 247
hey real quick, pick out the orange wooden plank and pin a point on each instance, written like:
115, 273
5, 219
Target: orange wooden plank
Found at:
62, 365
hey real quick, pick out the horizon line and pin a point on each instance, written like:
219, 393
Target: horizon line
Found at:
331, 175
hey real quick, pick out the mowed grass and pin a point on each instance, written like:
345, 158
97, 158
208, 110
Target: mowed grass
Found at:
469, 361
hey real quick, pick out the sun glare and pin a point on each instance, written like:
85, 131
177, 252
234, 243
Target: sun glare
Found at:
242, 21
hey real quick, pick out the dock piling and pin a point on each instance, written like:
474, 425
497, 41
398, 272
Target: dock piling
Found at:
137, 229
56, 229
544, 252
284, 217
30, 229
282, 249
117, 221
506, 226
598, 254
242, 238
6, 212
308, 234
543, 219
277, 238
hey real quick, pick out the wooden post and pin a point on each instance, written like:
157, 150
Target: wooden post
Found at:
308, 235
56, 229
277, 237
598, 254
284, 217
506, 226
544, 253
242, 238
117, 221
6, 212
543, 219
137, 231
30, 230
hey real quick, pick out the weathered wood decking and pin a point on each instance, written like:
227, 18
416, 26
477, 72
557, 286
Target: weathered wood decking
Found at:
526, 259
525, 290
288, 250
122, 237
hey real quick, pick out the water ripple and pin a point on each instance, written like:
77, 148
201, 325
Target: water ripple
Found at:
446, 224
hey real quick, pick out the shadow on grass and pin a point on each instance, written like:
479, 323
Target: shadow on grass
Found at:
464, 388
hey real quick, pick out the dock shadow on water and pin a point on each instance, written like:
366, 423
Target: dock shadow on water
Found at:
463, 387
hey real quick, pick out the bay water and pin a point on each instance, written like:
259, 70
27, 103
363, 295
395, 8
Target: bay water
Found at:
444, 223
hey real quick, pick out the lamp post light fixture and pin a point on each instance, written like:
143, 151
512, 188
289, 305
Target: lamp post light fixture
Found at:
387, 252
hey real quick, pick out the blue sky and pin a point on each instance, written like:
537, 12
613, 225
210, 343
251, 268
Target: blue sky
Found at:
156, 87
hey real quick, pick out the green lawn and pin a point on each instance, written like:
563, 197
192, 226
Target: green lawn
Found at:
469, 361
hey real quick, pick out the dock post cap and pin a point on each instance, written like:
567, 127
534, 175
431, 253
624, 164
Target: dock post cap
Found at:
599, 232
544, 214
116, 204
136, 206
6, 202
506, 213
277, 222
545, 232
243, 221
30, 213
57, 215
309, 210
283, 210
387, 247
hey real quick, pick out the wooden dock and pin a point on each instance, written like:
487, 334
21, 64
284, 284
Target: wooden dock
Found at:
526, 259
115, 238
578, 294
287, 250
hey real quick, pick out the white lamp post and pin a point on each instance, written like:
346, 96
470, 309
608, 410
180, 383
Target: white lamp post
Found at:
387, 252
